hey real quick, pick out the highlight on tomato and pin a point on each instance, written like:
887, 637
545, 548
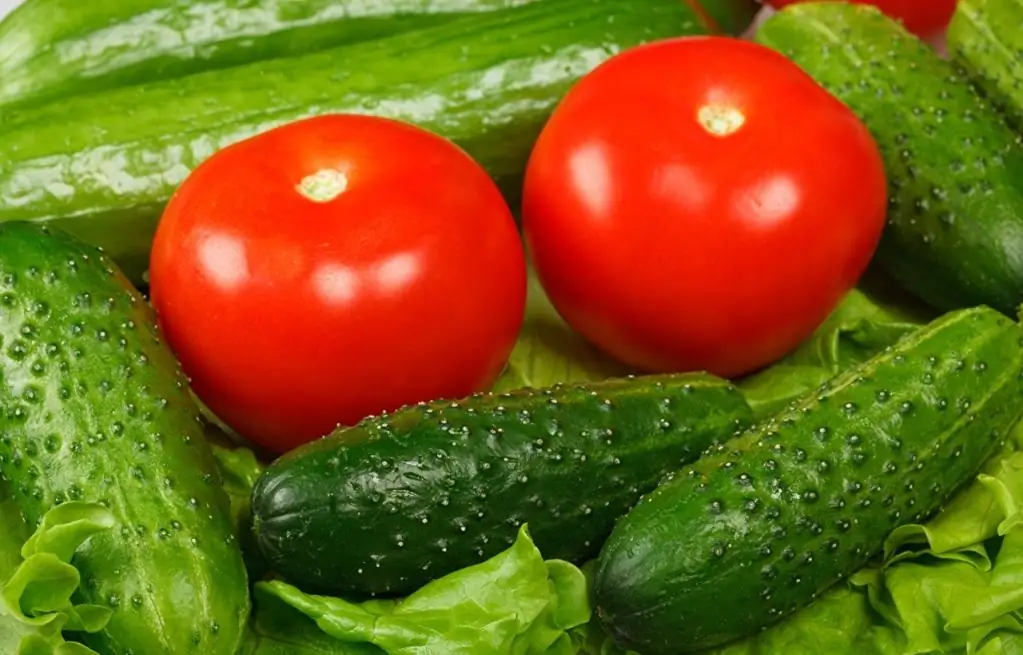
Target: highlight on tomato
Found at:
333, 268
701, 204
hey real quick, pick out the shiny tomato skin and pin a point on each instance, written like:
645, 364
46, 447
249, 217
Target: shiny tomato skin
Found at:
674, 248
923, 17
293, 315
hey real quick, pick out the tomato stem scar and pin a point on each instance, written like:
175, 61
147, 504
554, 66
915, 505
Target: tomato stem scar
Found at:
720, 120
324, 185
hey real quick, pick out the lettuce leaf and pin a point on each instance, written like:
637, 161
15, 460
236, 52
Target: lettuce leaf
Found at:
513, 604
239, 469
36, 605
549, 352
13, 535
279, 629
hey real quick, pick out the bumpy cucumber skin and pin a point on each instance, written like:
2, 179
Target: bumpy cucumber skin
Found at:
96, 409
103, 166
757, 529
955, 227
986, 39
57, 48
387, 506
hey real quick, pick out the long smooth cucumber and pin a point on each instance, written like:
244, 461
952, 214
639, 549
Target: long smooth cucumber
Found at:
53, 49
103, 166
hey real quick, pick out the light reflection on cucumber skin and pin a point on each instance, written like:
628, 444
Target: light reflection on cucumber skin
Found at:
107, 178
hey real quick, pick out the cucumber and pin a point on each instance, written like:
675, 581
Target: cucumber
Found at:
757, 530
434, 488
57, 48
96, 410
986, 39
955, 229
103, 166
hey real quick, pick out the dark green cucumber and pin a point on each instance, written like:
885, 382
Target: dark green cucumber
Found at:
399, 500
758, 528
57, 48
95, 409
955, 228
986, 39
102, 166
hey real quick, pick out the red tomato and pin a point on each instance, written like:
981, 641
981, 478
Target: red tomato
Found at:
333, 268
924, 17
701, 203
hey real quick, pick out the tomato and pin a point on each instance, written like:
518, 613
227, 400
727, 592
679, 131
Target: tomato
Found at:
333, 268
924, 17
701, 203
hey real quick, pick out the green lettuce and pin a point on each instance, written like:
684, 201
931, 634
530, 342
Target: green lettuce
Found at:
512, 604
548, 352
39, 581
13, 535
239, 469
277, 628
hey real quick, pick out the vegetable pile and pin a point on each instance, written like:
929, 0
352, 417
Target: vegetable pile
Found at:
534, 327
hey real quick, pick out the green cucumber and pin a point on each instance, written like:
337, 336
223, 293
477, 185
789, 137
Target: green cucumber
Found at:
102, 166
986, 39
758, 529
955, 228
95, 409
52, 49
57, 48
434, 488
